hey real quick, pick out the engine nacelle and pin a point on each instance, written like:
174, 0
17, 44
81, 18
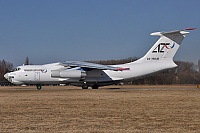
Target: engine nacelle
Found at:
71, 73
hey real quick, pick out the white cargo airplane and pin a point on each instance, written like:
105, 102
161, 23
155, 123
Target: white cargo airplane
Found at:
85, 74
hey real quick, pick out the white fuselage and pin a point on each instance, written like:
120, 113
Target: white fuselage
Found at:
42, 74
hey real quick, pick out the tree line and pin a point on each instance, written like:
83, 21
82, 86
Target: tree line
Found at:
185, 73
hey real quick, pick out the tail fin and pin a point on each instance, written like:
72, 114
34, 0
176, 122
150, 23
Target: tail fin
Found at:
166, 47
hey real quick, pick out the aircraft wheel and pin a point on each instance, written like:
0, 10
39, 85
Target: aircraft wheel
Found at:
84, 87
198, 86
95, 87
39, 87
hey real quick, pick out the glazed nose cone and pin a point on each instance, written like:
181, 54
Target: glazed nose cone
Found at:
6, 76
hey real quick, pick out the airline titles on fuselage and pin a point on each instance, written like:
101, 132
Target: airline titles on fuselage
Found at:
42, 70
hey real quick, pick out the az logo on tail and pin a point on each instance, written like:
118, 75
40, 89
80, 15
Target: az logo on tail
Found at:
161, 46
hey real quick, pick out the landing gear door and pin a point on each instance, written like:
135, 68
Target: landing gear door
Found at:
37, 76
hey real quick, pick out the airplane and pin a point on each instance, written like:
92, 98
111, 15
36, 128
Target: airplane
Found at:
85, 74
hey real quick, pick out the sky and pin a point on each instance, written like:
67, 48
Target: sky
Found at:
50, 31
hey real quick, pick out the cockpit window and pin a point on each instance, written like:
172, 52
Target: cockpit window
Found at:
16, 69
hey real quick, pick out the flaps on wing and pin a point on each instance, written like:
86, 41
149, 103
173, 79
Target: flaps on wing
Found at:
92, 65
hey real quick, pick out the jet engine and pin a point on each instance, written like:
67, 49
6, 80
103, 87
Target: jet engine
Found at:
70, 73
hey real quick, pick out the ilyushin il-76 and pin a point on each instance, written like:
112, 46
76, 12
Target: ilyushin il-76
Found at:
85, 74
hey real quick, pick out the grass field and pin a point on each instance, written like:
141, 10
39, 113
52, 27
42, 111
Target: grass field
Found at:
112, 109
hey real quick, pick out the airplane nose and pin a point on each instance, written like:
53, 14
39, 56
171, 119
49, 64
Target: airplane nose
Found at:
6, 76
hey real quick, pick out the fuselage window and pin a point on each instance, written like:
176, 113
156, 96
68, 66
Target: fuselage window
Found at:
16, 69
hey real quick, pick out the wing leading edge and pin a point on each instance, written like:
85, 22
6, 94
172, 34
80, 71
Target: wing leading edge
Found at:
92, 65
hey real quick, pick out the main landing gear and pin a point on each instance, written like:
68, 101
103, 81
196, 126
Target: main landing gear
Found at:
39, 87
95, 87
85, 86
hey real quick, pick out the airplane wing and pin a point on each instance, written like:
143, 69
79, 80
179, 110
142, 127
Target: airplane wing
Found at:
89, 65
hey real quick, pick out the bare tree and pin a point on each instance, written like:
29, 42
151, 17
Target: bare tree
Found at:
199, 65
5, 66
27, 61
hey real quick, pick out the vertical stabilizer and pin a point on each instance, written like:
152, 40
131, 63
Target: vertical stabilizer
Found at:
166, 47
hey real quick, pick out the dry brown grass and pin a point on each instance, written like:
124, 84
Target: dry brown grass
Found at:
109, 109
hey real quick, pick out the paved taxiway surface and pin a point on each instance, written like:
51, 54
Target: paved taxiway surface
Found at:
109, 109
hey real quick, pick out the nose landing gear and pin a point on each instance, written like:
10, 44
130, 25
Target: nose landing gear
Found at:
39, 87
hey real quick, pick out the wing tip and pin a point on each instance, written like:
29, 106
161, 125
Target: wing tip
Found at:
122, 69
190, 28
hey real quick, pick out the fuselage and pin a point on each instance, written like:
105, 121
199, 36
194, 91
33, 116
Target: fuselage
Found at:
42, 74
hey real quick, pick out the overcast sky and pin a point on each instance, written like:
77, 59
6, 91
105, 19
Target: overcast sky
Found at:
57, 30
